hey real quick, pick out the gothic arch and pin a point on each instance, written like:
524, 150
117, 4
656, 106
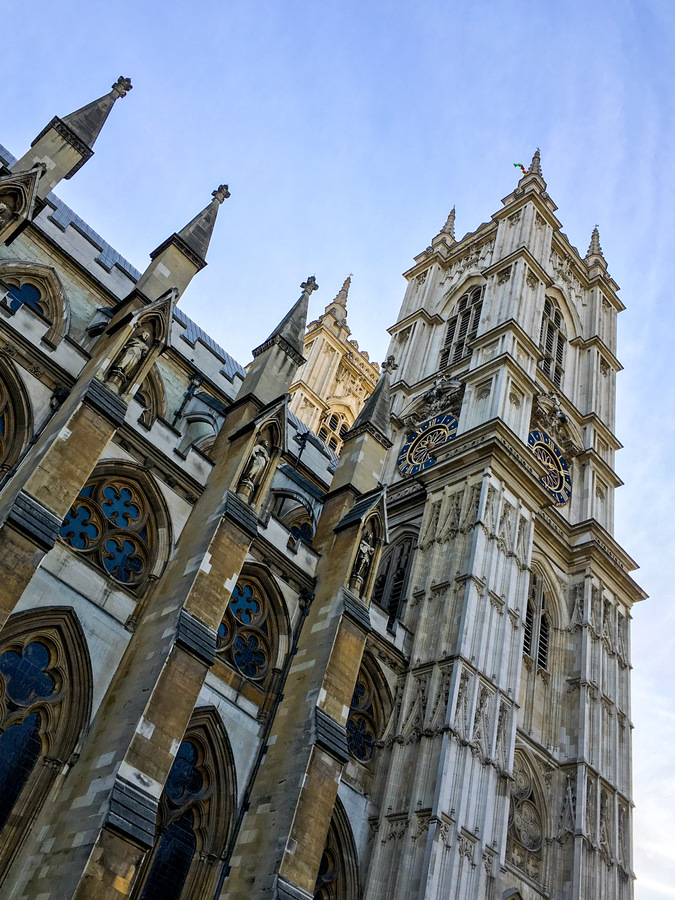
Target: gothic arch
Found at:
528, 825
541, 566
200, 431
462, 320
152, 396
338, 877
16, 418
48, 697
201, 796
254, 635
120, 523
393, 574
370, 710
568, 310
450, 299
293, 510
50, 301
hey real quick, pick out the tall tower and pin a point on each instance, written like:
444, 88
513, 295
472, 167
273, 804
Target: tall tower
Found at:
505, 771
337, 378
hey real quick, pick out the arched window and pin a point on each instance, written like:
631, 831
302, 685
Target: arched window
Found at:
39, 288
537, 632
369, 711
113, 524
462, 327
552, 342
247, 636
526, 821
334, 428
392, 578
195, 815
14, 417
338, 877
45, 705
29, 294
292, 510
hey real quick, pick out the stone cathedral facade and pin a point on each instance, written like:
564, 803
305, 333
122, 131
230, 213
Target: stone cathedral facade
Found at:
238, 661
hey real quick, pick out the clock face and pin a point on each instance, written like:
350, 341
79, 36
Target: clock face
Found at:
418, 452
557, 481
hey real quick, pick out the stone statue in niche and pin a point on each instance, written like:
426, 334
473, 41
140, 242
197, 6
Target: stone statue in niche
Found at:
254, 470
7, 209
362, 562
126, 364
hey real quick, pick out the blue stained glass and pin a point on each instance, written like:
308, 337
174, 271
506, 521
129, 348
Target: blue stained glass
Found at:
223, 633
20, 748
248, 656
172, 861
25, 678
122, 561
360, 740
2, 424
243, 604
78, 529
27, 294
118, 506
184, 777
358, 695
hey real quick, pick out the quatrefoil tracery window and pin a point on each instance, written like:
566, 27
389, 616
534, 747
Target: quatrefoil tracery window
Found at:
111, 524
526, 824
367, 715
246, 634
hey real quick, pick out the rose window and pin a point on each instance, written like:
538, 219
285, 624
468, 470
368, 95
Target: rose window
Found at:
361, 728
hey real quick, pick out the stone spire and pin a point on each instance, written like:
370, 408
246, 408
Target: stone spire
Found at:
65, 145
375, 417
449, 227
197, 233
535, 165
88, 121
290, 332
341, 298
594, 254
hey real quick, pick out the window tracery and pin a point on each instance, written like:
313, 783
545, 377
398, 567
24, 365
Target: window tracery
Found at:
38, 288
552, 342
113, 525
195, 815
45, 703
334, 428
367, 714
526, 823
338, 871
246, 635
537, 630
462, 327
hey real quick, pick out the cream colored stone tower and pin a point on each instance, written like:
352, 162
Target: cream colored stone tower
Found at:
505, 770
336, 380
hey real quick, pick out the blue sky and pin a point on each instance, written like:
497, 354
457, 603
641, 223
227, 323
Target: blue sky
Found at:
346, 131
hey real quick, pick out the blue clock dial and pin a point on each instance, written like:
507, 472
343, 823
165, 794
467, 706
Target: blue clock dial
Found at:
418, 452
558, 479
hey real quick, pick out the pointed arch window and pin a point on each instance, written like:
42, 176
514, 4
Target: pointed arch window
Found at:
537, 631
525, 835
248, 633
45, 704
195, 815
368, 713
13, 419
462, 327
338, 877
334, 428
113, 525
392, 578
552, 342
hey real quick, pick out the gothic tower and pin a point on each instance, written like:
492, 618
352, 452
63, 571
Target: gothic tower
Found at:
505, 770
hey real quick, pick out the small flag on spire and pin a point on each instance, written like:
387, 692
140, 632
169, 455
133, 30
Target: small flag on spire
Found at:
521, 167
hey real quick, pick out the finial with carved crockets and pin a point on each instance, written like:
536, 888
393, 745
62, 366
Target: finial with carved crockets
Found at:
221, 193
449, 227
122, 86
389, 365
535, 165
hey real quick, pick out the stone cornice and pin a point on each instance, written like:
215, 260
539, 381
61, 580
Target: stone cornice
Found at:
69, 137
420, 313
596, 341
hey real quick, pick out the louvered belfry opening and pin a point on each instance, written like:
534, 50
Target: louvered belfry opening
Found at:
552, 342
462, 327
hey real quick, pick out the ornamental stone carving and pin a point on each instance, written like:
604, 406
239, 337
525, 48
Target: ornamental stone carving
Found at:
254, 470
129, 360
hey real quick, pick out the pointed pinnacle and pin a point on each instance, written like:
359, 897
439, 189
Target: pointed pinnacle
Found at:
221, 193
535, 165
375, 416
88, 121
594, 248
291, 330
343, 293
449, 227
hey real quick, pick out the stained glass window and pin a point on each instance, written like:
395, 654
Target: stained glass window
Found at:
110, 523
361, 723
172, 861
27, 294
245, 635
26, 684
